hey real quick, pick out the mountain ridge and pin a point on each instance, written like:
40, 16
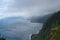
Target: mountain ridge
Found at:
46, 33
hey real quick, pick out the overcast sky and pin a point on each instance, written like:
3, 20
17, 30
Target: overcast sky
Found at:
28, 8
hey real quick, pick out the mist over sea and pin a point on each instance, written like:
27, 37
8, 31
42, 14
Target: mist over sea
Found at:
18, 28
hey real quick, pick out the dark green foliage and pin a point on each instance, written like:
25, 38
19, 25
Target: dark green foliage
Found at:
45, 32
2, 39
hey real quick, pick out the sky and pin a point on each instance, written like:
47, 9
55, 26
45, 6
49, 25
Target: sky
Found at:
28, 8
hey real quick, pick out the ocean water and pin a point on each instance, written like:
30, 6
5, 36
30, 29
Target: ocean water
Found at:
19, 30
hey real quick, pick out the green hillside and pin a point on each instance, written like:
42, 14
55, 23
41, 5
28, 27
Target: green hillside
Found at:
50, 29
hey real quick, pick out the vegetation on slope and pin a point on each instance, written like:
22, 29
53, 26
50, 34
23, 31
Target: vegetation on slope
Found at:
50, 30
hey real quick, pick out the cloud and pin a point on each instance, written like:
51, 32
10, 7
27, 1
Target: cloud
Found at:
1, 0
5, 4
30, 7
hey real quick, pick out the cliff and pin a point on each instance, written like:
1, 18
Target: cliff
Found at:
50, 29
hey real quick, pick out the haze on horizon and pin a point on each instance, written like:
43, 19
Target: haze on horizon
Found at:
28, 8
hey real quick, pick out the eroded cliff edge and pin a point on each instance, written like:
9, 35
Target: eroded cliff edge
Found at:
50, 29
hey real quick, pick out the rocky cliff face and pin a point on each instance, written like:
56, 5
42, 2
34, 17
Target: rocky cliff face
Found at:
50, 29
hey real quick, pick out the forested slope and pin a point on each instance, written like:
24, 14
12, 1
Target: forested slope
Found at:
50, 29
